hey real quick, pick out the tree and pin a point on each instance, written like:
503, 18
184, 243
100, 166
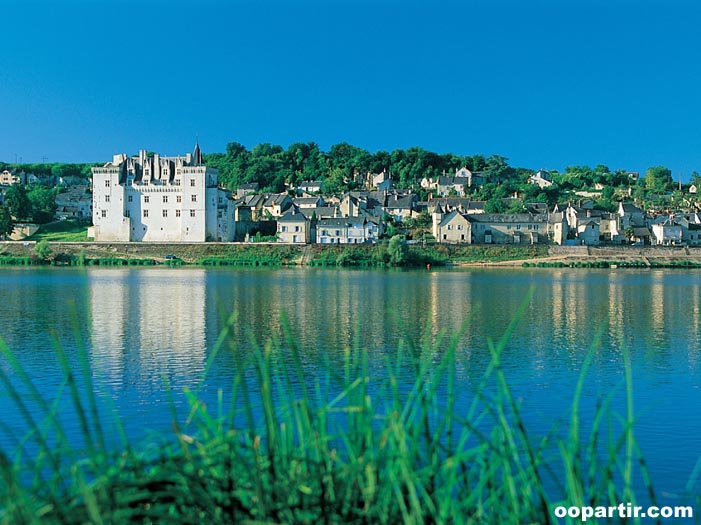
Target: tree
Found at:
334, 183
43, 204
658, 179
398, 250
7, 225
17, 201
495, 205
696, 180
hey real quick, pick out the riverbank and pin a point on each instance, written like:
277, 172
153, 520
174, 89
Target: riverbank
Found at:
275, 254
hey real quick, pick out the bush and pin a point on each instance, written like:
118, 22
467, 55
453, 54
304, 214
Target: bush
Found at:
398, 250
43, 250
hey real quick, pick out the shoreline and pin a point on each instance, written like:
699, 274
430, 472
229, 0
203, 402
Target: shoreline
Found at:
277, 254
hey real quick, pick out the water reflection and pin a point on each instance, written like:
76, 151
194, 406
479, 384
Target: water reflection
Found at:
148, 328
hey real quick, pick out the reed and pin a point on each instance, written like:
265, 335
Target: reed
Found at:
351, 445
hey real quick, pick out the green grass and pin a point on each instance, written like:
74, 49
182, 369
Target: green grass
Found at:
355, 445
62, 231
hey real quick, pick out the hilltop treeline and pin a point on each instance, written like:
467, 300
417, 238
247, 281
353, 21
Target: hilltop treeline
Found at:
272, 166
343, 167
52, 169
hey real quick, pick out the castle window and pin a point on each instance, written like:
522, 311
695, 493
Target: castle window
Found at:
145, 213
107, 183
179, 198
176, 182
107, 198
194, 198
165, 198
192, 213
192, 182
165, 213
130, 198
146, 199
177, 213
104, 213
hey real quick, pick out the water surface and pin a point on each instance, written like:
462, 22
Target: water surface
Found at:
150, 327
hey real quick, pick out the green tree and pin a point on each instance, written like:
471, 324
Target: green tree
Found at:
658, 179
696, 180
6, 222
495, 205
398, 250
17, 201
335, 183
43, 204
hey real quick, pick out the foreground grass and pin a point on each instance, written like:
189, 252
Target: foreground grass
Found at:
351, 446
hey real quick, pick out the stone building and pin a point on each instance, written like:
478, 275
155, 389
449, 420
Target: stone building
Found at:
158, 198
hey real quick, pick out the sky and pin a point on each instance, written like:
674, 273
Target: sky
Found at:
544, 83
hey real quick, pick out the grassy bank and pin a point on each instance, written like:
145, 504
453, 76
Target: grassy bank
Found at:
375, 255
62, 231
352, 446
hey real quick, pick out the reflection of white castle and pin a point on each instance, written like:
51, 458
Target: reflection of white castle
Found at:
148, 324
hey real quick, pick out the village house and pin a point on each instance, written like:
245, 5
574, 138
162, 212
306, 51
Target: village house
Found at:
254, 204
666, 232
8, 178
400, 207
308, 202
519, 228
348, 230
275, 205
541, 178
691, 228
246, 189
377, 181
322, 212
74, 202
484, 228
309, 186
452, 186
630, 215
293, 227
462, 204
160, 198
588, 231
452, 228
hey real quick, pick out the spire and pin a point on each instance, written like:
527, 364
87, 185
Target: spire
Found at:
197, 154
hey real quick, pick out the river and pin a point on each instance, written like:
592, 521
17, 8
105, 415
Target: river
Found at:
145, 328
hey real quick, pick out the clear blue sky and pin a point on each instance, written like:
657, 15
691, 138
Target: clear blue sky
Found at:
543, 83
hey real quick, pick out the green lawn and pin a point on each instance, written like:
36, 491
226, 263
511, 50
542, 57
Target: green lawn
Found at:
62, 231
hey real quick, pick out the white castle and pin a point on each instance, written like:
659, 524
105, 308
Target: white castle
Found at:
154, 198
